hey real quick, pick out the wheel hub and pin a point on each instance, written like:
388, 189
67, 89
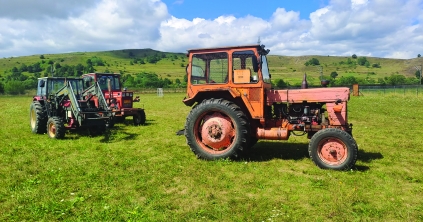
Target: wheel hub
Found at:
217, 131
333, 151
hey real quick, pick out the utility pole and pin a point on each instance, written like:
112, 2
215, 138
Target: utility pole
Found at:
321, 72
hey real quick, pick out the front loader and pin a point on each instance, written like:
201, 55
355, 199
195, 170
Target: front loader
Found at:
63, 104
234, 106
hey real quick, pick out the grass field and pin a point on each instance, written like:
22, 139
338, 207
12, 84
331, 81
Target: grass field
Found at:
147, 173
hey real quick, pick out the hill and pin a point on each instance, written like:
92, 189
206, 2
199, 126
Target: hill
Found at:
172, 65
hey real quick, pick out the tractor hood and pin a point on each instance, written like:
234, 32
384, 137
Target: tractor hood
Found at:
323, 95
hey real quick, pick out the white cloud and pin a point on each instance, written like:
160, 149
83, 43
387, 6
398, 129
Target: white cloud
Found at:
381, 28
103, 25
181, 34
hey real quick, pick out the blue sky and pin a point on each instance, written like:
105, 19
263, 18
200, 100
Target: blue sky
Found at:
373, 28
211, 9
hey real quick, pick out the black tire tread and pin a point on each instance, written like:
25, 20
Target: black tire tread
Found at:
41, 119
140, 118
340, 134
234, 111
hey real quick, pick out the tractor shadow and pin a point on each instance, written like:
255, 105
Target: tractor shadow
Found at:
265, 151
108, 135
129, 122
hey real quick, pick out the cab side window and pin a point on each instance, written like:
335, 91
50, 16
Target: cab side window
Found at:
242, 66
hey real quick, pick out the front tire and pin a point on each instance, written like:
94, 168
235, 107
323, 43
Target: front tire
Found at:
55, 128
37, 118
217, 129
333, 149
139, 118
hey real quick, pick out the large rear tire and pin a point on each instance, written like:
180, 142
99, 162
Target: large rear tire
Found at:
37, 118
333, 149
217, 129
139, 118
55, 128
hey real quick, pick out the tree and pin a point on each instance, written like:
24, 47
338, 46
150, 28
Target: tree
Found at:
376, 65
23, 68
42, 57
362, 61
418, 56
333, 75
14, 87
281, 84
354, 56
1, 88
313, 62
344, 81
396, 79
79, 69
89, 62
367, 64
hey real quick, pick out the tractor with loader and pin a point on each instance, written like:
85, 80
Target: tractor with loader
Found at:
65, 104
120, 101
234, 106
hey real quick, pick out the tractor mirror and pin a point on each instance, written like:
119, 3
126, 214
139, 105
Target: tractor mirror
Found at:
42, 83
255, 63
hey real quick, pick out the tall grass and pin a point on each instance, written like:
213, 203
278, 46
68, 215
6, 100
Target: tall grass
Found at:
148, 173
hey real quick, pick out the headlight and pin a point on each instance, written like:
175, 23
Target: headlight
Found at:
130, 94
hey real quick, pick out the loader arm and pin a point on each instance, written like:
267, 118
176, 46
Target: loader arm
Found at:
95, 90
67, 90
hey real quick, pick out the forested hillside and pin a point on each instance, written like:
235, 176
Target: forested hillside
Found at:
147, 68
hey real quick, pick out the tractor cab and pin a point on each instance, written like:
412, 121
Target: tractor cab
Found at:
50, 85
230, 72
111, 87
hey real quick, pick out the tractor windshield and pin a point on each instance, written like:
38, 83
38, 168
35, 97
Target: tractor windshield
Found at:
104, 79
55, 85
52, 85
209, 68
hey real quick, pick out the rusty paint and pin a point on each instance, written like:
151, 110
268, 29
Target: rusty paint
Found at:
217, 131
332, 151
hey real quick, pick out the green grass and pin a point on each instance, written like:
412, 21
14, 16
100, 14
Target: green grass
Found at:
147, 173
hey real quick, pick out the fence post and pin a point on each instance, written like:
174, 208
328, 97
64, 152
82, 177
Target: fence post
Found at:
160, 92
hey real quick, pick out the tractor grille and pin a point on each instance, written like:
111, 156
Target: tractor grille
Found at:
127, 103
254, 94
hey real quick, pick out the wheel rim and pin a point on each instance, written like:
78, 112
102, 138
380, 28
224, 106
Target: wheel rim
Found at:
215, 132
33, 118
332, 151
51, 129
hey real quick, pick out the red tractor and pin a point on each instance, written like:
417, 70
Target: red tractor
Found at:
234, 106
120, 101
